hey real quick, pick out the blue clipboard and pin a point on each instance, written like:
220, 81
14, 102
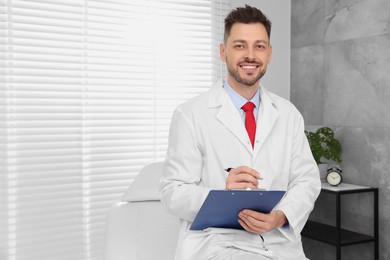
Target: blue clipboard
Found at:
221, 207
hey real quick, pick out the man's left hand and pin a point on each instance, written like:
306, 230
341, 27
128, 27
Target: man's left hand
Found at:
258, 223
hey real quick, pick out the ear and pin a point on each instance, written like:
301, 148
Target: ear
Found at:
222, 53
270, 54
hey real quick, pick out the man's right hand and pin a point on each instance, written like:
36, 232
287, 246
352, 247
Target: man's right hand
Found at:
242, 177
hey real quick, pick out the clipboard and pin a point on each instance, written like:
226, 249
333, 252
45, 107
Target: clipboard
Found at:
221, 207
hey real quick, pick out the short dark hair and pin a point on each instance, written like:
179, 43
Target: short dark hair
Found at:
247, 15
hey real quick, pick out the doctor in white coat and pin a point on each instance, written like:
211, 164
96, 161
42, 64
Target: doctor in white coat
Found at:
208, 135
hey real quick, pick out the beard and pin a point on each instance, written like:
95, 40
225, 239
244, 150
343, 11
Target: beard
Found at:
248, 81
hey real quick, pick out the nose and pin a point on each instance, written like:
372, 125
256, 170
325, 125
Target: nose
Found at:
250, 54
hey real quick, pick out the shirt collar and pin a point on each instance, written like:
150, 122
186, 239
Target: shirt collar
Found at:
239, 100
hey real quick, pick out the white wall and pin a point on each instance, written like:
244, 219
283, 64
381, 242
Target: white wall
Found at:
277, 78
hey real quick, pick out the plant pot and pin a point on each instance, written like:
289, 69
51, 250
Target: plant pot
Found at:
323, 167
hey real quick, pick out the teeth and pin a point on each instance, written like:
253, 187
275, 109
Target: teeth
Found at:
249, 67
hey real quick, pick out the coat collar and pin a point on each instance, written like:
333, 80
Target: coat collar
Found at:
230, 118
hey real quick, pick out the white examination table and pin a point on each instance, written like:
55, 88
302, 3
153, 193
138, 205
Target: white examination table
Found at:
138, 228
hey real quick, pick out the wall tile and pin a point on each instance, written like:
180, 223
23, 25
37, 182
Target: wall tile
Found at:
307, 22
357, 80
307, 81
349, 19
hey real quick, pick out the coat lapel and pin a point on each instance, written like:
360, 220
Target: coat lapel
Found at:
266, 119
228, 114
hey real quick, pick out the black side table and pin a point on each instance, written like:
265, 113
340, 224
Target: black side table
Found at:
336, 235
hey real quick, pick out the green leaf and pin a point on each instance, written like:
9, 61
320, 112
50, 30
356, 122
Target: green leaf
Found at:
324, 145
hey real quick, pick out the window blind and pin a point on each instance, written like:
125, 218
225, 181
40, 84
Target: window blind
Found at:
87, 89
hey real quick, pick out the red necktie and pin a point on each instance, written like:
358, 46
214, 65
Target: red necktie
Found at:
250, 122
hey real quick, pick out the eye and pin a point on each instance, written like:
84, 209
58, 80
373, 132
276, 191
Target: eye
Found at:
260, 46
239, 46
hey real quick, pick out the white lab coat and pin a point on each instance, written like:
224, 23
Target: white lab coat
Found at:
207, 135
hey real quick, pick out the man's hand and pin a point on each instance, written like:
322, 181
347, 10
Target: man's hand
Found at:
242, 177
258, 223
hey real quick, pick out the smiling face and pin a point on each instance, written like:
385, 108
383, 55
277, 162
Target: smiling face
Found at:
247, 52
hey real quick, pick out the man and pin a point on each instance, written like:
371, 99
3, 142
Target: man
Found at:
208, 134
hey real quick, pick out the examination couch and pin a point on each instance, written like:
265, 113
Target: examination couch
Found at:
138, 228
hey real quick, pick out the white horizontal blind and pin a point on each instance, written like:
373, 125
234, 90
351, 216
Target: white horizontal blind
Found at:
4, 205
220, 9
43, 129
87, 89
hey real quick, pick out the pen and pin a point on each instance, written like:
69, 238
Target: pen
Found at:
230, 168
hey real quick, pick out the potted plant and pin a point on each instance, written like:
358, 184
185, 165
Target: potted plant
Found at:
324, 147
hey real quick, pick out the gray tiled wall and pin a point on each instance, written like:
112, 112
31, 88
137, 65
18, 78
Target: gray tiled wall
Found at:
340, 77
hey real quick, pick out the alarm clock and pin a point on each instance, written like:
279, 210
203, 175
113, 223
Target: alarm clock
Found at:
333, 176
